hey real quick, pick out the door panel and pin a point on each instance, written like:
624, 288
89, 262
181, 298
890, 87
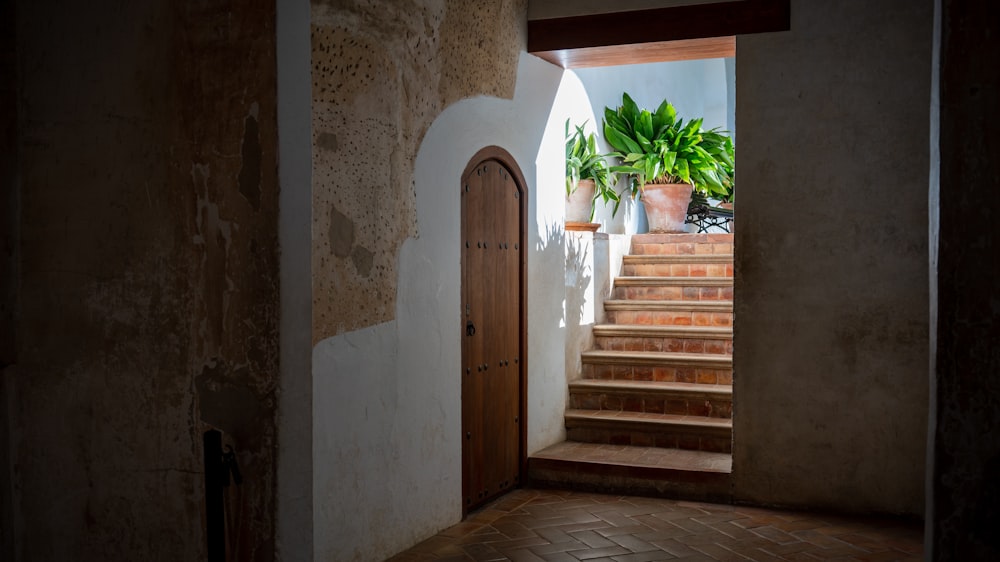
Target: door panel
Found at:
491, 332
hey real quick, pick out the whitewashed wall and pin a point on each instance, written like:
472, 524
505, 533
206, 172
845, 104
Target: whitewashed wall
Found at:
387, 399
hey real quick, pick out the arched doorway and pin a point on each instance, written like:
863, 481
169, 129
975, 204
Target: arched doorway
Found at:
493, 326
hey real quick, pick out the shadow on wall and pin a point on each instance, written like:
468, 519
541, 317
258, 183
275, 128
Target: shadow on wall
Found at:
573, 314
579, 290
550, 250
579, 274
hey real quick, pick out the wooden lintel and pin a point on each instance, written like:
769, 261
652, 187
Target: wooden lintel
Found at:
660, 51
698, 21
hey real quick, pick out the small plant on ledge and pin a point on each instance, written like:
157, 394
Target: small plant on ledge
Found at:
588, 173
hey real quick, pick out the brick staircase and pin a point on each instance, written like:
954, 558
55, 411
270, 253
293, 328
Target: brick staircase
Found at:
652, 413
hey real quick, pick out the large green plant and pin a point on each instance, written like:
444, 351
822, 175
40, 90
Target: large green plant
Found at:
658, 147
583, 162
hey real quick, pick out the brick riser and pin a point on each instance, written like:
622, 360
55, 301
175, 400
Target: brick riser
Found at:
669, 317
689, 244
693, 292
699, 375
713, 440
680, 404
672, 344
664, 440
677, 270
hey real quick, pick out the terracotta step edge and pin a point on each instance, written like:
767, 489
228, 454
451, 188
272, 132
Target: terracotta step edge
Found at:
650, 387
555, 453
578, 418
701, 306
677, 258
656, 358
683, 238
654, 281
625, 330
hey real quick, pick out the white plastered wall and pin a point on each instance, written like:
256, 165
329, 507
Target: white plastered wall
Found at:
387, 399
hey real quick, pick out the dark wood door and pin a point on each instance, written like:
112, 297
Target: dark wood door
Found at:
492, 383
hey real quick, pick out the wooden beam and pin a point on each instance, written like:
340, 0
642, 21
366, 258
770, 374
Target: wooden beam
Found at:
699, 21
661, 51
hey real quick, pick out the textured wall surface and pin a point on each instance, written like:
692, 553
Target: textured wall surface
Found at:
831, 332
387, 434
967, 447
382, 71
148, 275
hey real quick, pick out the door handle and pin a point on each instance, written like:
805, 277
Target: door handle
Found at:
470, 329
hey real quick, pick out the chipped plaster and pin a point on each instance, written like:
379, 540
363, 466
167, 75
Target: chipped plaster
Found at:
382, 71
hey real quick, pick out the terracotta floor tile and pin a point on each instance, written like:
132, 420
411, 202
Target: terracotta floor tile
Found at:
523, 555
597, 553
652, 556
678, 549
720, 553
555, 525
559, 557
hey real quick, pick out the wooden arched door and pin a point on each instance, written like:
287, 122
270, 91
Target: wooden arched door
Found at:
492, 327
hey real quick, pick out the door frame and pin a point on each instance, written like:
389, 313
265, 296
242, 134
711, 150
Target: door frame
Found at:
505, 158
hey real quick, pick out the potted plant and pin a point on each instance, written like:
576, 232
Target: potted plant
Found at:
588, 176
666, 158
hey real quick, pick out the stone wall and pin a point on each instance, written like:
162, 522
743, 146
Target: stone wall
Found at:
382, 71
148, 275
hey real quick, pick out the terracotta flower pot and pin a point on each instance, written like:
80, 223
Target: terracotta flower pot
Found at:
666, 206
578, 203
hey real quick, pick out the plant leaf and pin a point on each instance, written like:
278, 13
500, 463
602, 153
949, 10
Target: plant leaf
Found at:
629, 109
620, 141
644, 126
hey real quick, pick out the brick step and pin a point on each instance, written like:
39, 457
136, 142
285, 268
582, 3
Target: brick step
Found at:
685, 399
672, 431
679, 265
673, 288
658, 244
667, 237
632, 470
669, 313
686, 339
702, 368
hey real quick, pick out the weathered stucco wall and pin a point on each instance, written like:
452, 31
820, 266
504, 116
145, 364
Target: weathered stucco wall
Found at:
831, 332
148, 281
382, 71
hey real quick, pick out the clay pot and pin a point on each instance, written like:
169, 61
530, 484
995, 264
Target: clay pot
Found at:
578, 203
666, 206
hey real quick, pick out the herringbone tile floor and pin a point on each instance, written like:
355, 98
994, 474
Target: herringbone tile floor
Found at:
541, 525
